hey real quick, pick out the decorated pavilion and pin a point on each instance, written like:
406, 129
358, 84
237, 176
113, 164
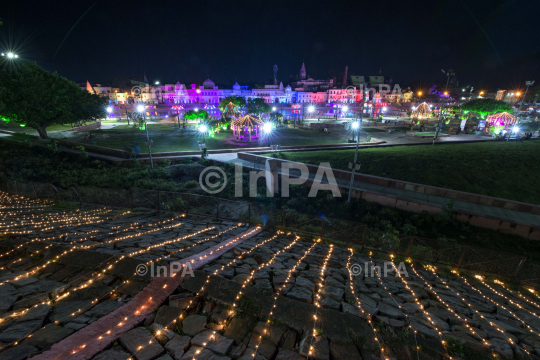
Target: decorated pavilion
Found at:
502, 119
247, 128
422, 111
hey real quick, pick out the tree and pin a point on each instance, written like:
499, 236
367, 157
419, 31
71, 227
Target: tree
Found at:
37, 98
237, 100
196, 115
486, 106
257, 107
276, 117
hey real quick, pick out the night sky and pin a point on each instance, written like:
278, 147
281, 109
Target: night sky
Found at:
488, 43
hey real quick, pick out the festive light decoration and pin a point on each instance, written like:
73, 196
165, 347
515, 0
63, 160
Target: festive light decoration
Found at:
422, 111
374, 270
137, 312
461, 296
465, 320
359, 306
318, 296
77, 247
242, 128
278, 291
528, 327
502, 119
249, 279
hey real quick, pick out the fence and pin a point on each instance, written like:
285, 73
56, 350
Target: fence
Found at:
515, 268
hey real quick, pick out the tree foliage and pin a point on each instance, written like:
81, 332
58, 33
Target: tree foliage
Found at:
257, 107
37, 98
240, 101
196, 115
486, 106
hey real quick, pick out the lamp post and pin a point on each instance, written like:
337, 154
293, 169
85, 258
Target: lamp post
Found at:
440, 119
267, 129
528, 83
356, 125
149, 143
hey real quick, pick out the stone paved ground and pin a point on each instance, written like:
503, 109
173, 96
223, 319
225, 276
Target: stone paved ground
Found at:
274, 296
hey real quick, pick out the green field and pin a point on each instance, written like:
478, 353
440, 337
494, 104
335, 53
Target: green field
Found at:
167, 137
14, 126
508, 170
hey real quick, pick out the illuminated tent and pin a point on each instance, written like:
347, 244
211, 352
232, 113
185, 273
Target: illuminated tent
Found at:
243, 127
422, 111
502, 119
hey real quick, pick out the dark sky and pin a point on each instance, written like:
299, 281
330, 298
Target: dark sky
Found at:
487, 42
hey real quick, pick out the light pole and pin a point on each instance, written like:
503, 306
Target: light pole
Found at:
528, 83
149, 143
448, 74
356, 125
440, 119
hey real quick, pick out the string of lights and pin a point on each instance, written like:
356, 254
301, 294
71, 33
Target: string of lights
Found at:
232, 312
278, 291
104, 335
449, 308
318, 296
359, 306
527, 326
461, 296
405, 315
85, 247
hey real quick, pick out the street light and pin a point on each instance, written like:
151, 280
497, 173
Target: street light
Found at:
357, 126
10, 55
157, 82
149, 143
109, 109
274, 108
528, 83
311, 108
345, 108
203, 128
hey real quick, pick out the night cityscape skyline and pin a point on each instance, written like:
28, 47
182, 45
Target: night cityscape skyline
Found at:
486, 44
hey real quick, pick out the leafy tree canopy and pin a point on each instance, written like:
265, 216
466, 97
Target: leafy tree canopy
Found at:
240, 101
257, 107
37, 98
276, 116
486, 106
196, 115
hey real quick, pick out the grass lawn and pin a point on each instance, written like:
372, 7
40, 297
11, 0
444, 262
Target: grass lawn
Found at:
508, 170
168, 138
14, 126
372, 130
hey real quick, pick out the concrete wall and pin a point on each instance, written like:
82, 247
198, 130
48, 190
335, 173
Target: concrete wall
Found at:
424, 189
525, 231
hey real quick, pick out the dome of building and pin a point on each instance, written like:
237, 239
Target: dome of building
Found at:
236, 86
288, 88
208, 84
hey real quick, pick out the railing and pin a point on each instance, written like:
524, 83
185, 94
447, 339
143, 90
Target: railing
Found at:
515, 268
